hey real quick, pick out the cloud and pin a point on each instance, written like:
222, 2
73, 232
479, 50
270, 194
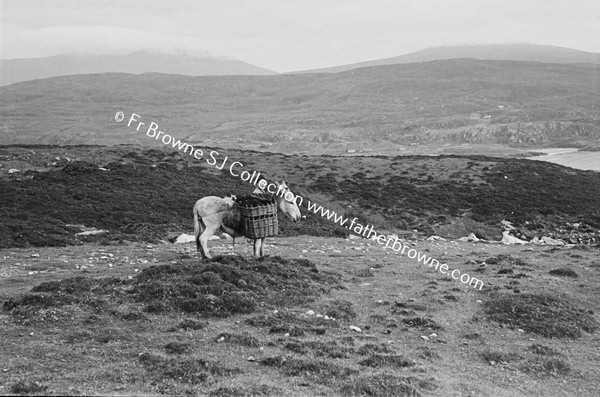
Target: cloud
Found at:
97, 39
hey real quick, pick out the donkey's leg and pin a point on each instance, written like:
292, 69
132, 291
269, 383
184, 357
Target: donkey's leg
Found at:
199, 228
257, 247
210, 229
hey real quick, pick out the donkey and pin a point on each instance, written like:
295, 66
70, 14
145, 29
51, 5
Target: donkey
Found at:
213, 213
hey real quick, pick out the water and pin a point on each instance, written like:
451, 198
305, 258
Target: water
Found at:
570, 157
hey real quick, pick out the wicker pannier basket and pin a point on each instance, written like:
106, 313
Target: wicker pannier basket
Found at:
260, 220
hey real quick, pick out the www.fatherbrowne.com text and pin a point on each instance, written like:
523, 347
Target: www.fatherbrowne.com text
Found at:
235, 168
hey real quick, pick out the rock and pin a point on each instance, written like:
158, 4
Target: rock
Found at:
552, 241
251, 358
185, 238
91, 232
319, 315
221, 339
471, 238
13, 171
507, 224
510, 240
310, 313
353, 237
424, 337
436, 238
433, 335
355, 328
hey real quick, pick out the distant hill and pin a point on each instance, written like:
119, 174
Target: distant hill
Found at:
504, 52
17, 70
382, 109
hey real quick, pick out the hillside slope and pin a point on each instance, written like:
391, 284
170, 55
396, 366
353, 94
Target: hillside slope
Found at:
144, 195
381, 108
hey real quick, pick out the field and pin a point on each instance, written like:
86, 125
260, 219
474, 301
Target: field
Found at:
128, 313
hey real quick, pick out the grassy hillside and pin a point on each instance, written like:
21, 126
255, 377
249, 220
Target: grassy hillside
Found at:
145, 195
377, 109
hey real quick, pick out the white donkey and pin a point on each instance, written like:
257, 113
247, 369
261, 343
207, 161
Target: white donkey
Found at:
214, 213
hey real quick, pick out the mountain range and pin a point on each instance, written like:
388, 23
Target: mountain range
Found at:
206, 64
500, 52
143, 61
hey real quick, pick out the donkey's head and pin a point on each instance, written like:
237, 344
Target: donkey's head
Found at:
287, 201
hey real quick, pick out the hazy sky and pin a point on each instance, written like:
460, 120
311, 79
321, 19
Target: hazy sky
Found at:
285, 35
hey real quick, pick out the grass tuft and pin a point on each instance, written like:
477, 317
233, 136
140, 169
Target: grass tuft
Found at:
379, 360
564, 272
384, 385
547, 315
27, 388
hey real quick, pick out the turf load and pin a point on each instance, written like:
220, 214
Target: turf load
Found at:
259, 216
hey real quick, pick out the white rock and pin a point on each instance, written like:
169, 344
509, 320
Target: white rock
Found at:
424, 337
436, 238
310, 313
184, 238
319, 315
552, 241
510, 240
433, 335
13, 171
355, 328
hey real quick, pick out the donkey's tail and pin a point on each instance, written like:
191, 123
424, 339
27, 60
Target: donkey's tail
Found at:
197, 230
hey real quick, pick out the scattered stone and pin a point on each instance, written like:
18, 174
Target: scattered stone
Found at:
355, 328
184, 239
251, 358
551, 241
424, 337
470, 238
435, 238
310, 313
510, 240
